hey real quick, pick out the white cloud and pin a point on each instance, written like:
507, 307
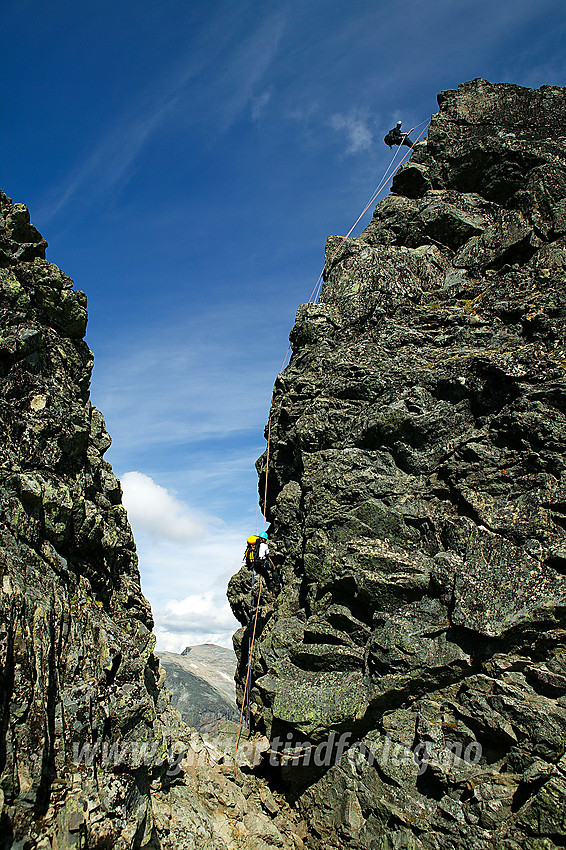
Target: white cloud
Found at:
153, 509
198, 612
355, 124
172, 570
172, 642
185, 561
203, 616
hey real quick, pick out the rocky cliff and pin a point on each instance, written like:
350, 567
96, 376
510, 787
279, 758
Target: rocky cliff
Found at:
91, 752
74, 624
417, 504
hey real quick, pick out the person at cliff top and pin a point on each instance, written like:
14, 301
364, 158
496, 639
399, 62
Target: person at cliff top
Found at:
396, 137
257, 558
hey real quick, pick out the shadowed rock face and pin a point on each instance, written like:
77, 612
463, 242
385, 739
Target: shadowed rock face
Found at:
76, 663
417, 500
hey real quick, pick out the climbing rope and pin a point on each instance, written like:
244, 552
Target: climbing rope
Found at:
267, 461
269, 440
247, 677
249, 688
315, 294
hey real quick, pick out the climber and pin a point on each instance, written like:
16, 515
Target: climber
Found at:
257, 558
396, 137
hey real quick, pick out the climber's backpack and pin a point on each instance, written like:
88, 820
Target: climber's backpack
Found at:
252, 550
394, 137
390, 139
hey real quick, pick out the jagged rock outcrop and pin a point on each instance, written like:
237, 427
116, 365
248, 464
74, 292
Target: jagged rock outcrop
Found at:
75, 627
91, 752
417, 501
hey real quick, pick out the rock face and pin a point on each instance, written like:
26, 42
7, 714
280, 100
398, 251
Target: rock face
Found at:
74, 626
417, 501
201, 683
91, 752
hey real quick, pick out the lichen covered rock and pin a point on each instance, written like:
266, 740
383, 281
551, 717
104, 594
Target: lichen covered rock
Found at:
417, 499
76, 649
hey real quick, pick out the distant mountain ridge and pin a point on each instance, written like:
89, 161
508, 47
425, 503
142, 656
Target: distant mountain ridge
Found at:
201, 682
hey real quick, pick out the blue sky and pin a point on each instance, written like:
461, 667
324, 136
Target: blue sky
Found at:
186, 162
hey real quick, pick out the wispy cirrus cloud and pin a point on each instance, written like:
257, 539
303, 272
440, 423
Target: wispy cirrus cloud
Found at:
260, 102
183, 389
236, 87
111, 160
191, 89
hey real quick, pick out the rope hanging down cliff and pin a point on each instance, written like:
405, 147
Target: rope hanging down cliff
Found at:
315, 294
247, 677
